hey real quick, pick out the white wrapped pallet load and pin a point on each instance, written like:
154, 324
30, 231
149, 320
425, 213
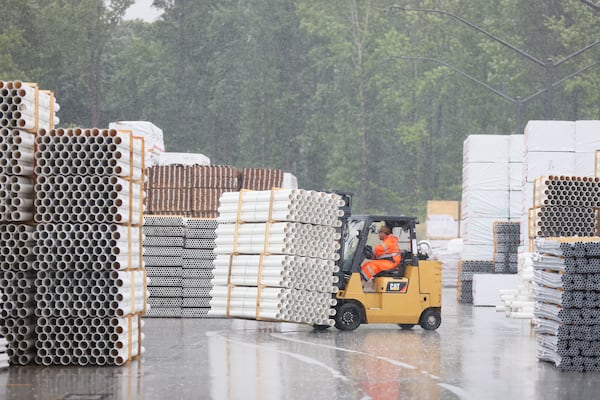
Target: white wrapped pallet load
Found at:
516, 143
549, 136
538, 164
486, 148
289, 181
587, 136
169, 158
485, 203
485, 176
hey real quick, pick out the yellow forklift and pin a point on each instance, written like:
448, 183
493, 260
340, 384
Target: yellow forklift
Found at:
407, 295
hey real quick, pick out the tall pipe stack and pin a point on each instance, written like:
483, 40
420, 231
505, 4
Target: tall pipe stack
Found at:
89, 276
276, 253
507, 238
188, 190
567, 308
163, 257
198, 260
565, 206
23, 109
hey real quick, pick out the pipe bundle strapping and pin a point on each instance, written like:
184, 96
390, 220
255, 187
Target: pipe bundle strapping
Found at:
277, 260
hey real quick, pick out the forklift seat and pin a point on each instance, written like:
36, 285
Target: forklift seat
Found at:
399, 270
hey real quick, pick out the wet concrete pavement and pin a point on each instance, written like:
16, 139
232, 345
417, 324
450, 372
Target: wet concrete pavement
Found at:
477, 353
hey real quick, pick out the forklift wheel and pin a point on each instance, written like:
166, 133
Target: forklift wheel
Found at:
320, 327
430, 319
348, 317
406, 327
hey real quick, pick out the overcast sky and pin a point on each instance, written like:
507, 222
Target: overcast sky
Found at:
142, 9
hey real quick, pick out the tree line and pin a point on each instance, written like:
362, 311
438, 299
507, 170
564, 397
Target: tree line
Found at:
369, 96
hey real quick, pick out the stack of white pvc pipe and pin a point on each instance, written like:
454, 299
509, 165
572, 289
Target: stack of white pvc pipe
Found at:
277, 270
24, 106
278, 238
299, 205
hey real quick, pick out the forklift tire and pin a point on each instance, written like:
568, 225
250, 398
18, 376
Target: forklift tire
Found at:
406, 327
430, 319
320, 327
348, 317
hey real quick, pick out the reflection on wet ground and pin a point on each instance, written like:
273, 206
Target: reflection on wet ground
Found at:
477, 353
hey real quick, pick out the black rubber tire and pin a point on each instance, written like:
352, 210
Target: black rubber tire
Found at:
348, 317
320, 327
430, 319
406, 327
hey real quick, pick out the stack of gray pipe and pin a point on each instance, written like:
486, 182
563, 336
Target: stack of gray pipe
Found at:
565, 206
22, 108
507, 237
277, 260
198, 256
163, 257
89, 280
567, 308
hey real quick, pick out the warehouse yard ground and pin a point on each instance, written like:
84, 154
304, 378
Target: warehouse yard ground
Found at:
477, 353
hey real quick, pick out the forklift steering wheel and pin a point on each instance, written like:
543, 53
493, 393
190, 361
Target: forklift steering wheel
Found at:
368, 252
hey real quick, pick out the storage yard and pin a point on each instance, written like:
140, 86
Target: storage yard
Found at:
128, 272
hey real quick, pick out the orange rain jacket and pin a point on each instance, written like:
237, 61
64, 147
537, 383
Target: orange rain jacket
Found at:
387, 256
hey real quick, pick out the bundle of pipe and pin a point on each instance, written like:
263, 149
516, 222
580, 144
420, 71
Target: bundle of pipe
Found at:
88, 341
198, 256
273, 303
278, 238
163, 257
296, 205
16, 182
3, 353
518, 302
24, 106
277, 270
507, 237
565, 206
567, 308
17, 320
286, 271
89, 268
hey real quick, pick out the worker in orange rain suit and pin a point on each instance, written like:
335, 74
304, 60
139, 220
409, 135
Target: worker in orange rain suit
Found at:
386, 255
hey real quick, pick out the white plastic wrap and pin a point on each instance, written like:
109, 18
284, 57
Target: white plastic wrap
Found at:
585, 163
486, 148
587, 136
515, 176
289, 181
485, 203
182, 158
515, 204
538, 164
485, 176
516, 143
555, 136
479, 230
477, 252
441, 227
